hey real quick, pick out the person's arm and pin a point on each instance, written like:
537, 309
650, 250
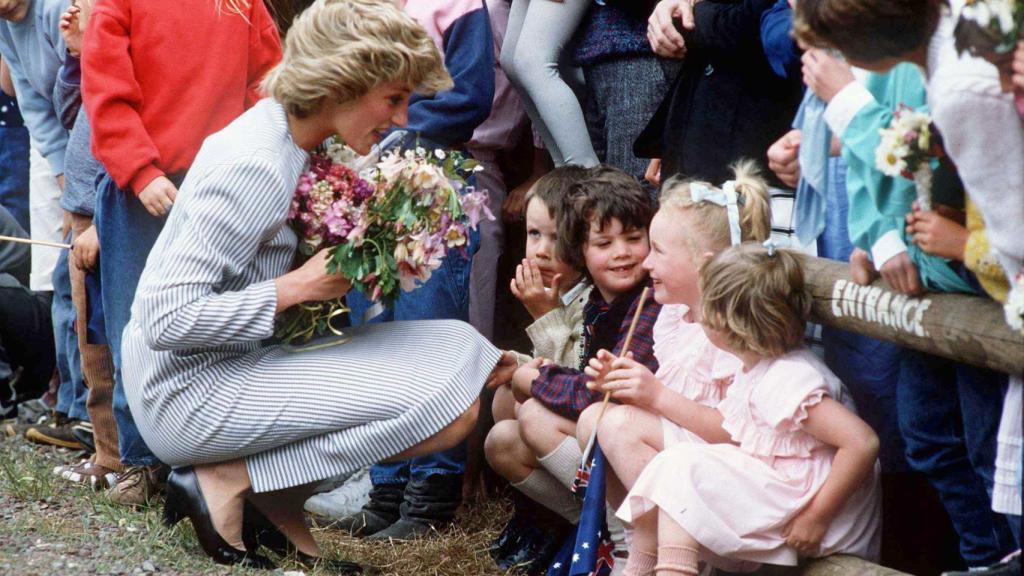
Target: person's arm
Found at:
450, 117
6, 83
264, 50
776, 37
113, 100
856, 452
179, 304
67, 91
40, 117
731, 30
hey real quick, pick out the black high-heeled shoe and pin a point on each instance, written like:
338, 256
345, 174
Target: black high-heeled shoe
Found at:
258, 531
185, 498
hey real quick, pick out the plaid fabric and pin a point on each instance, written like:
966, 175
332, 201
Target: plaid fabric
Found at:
564, 390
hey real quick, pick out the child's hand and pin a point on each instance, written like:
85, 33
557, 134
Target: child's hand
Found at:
805, 531
158, 196
71, 31
825, 74
598, 367
862, 270
503, 371
522, 379
85, 250
937, 234
528, 287
630, 382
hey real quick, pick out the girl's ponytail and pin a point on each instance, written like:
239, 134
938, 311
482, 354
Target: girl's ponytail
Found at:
756, 208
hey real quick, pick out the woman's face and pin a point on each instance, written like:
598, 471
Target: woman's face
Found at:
363, 122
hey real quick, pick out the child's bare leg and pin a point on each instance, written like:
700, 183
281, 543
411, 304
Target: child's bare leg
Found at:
503, 407
678, 552
552, 438
630, 438
643, 550
510, 457
614, 490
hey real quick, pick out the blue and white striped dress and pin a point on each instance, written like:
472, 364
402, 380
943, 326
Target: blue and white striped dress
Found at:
201, 385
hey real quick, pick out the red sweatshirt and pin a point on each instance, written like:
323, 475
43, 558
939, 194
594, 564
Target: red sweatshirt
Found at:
160, 76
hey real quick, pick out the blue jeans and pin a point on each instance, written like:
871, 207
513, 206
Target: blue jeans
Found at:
949, 414
444, 296
72, 393
127, 233
14, 151
870, 368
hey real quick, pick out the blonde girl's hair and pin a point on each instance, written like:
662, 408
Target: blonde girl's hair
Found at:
708, 223
759, 301
342, 49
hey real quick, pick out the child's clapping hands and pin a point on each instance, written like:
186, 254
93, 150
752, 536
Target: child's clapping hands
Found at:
628, 381
528, 286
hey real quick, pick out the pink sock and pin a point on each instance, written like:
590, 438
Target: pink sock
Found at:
640, 563
677, 561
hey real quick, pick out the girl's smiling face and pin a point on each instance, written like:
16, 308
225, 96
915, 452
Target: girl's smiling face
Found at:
673, 268
614, 257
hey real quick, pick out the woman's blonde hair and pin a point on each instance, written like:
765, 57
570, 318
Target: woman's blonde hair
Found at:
341, 49
708, 225
757, 300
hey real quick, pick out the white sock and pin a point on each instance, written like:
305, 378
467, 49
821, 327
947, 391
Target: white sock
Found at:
541, 487
616, 530
563, 461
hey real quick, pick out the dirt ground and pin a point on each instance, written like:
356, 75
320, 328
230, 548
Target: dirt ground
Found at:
49, 527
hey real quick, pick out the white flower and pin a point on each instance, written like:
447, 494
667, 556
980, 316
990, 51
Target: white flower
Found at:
440, 154
1014, 307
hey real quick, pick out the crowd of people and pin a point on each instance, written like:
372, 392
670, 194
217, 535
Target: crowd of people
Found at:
634, 320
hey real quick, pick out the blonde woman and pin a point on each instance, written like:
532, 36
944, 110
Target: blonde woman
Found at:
247, 424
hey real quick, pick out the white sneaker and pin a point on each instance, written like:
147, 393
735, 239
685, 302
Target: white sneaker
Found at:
344, 500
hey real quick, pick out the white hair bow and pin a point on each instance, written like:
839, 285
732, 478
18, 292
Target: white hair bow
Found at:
700, 192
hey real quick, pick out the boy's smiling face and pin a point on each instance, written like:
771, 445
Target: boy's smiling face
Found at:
614, 258
13, 10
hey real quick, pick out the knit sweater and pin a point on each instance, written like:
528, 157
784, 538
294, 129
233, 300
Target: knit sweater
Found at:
611, 32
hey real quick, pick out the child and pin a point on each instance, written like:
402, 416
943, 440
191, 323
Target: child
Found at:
603, 234
800, 478
554, 295
152, 98
693, 223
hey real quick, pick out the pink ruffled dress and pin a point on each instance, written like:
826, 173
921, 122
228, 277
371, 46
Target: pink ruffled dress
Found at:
688, 363
737, 499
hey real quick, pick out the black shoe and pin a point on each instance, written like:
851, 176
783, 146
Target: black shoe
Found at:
508, 540
427, 504
185, 498
380, 512
258, 531
1010, 566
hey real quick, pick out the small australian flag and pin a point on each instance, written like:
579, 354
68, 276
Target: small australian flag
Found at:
588, 551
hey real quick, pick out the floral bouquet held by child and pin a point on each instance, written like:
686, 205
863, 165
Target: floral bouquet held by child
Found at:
907, 147
386, 233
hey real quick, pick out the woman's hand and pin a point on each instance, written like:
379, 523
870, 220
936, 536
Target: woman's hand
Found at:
630, 382
310, 282
805, 531
503, 371
665, 40
937, 235
528, 287
653, 172
784, 158
522, 379
85, 250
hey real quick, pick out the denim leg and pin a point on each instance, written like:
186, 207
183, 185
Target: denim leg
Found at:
72, 393
981, 394
390, 473
451, 461
932, 423
14, 157
127, 233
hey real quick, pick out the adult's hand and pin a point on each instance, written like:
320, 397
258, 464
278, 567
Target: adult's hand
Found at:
653, 172
85, 250
158, 196
310, 282
783, 158
862, 270
825, 74
665, 40
503, 371
901, 275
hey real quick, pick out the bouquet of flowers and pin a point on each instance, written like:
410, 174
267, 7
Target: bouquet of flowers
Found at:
907, 147
386, 232
990, 29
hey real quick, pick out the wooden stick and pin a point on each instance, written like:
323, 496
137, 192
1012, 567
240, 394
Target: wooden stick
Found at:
36, 242
625, 349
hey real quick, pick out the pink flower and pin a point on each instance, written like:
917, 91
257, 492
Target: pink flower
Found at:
474, 204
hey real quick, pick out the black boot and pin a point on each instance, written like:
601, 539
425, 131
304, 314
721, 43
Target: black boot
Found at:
430, 503
380, 512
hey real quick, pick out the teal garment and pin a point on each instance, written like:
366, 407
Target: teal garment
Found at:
879, 203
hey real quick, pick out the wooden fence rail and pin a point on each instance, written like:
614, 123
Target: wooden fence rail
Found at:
968, 329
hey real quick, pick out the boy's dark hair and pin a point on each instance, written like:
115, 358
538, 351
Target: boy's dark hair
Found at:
553, 188
605, 193
866, 30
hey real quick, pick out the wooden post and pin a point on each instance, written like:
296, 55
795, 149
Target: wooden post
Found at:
964, 328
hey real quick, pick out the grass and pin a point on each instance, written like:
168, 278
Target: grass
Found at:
48, 526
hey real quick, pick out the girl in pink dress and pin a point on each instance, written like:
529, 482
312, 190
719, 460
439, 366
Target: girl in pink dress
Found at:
799, 477
692, 224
